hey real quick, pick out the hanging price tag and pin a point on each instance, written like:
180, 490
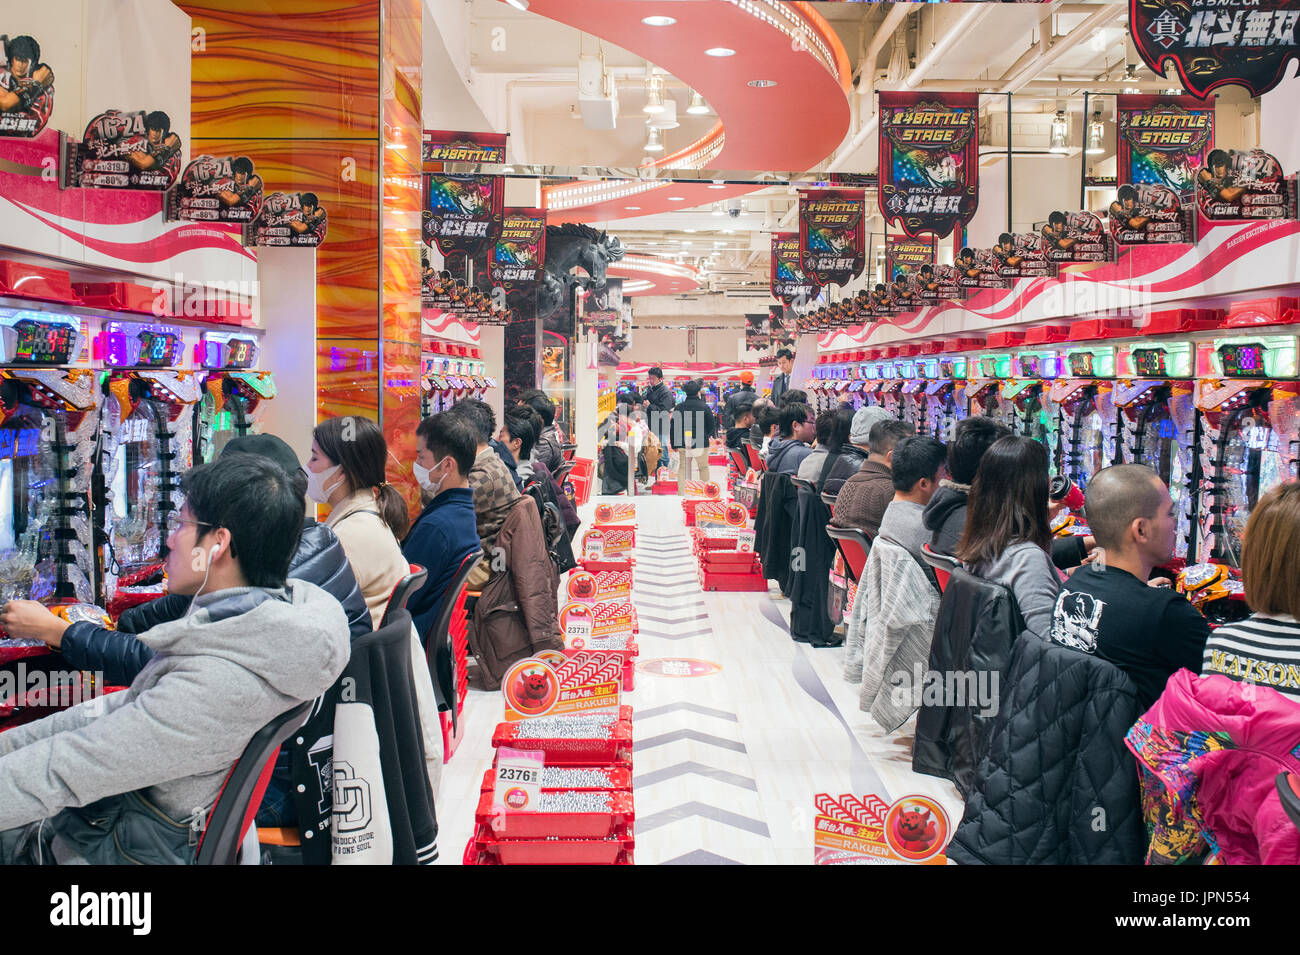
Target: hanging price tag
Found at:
518, 779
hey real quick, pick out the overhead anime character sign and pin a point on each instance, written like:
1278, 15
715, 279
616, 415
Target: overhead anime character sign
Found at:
789, 283
832, 241
1244, 184
289, 219
462, 213
520, 249
125, 150
444, 146
1213, 43
26, 87
217, 189
1072, 237
905, 256
929, 169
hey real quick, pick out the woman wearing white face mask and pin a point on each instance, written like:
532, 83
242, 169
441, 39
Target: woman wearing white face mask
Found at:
346, 472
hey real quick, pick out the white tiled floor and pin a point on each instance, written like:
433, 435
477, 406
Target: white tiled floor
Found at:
731, 778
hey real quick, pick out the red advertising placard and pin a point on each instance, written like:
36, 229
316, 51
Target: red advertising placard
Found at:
289, 219
125, 150
217, 189
929, 169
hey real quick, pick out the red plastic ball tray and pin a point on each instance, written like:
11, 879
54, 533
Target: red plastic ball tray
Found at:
620, 777
486, 849
618, 814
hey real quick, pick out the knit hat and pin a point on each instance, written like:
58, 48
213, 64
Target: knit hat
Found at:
864, 420
266, 446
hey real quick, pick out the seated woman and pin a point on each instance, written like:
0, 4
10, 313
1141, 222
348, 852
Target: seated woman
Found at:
346, 471
1007, 537
1265, 647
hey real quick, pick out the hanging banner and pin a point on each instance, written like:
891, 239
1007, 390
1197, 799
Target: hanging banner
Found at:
602, 309
26, 87
132, 150
904, 256
929, 168
288, 219
832, 241
462, 213
520, 249
440, 145
212, 189
1244, 184
1163, 140
1213, 43
1075, 237
789, 283
758, 335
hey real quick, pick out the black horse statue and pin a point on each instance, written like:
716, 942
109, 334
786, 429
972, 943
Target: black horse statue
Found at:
571, 246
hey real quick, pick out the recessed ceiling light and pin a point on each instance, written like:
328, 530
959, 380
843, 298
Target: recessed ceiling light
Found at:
676, 198
691, 230
761, 84
632, 208
716, 184
719, 51
658, 21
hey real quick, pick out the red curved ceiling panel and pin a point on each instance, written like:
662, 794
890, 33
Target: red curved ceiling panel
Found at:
791, 126
665, 276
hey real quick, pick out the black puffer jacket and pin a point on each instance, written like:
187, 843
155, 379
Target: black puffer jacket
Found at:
1057, 785
977, 625
319, 559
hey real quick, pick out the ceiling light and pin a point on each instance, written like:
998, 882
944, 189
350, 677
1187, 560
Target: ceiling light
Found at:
716, 184
719, 51
518, 4
698, 107
653, 144
1096, 135
676, 198
761, 84
667, 117
654, 89
658, 21
1060, 138
632, 208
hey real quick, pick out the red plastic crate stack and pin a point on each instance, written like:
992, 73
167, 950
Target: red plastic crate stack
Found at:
722, 567
573, 825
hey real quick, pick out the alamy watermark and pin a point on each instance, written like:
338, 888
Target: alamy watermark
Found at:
52, 687
181, 299
920, 687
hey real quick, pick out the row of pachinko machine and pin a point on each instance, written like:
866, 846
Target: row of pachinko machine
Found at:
1209, 399
106, 399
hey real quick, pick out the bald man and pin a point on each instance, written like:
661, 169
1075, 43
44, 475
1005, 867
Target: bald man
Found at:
1107, 608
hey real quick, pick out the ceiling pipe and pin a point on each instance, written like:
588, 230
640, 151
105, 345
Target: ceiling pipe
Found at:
1059, 46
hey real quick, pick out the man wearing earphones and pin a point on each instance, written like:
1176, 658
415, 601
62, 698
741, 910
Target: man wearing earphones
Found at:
446, 530
131, 776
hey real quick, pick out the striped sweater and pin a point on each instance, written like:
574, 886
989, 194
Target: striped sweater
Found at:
1261, 649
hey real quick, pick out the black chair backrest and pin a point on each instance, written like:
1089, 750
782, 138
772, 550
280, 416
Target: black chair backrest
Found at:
942, 564
403, 592
219, 844
828, 499
438, 648
801, 485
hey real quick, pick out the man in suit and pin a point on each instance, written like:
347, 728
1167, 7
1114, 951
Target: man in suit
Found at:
781, 383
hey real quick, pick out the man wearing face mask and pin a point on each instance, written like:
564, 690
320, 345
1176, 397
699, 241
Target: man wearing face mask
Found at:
446, 530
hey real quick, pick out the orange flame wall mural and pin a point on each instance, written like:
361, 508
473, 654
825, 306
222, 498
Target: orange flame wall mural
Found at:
327, 100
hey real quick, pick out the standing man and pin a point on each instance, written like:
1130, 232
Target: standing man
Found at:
781, 383
658, 404
693, 424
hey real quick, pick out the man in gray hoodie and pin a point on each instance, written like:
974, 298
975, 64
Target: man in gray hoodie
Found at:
131, 777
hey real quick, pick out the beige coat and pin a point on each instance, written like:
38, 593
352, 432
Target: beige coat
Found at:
372, 550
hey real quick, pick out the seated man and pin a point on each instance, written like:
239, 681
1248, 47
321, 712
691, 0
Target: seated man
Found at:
151, 759
744, 418
893, 616
520, 428
945, 515
766, 421
797, 428
446, 530
494, 489
1107, 608
862, 500
854, 453
810, 468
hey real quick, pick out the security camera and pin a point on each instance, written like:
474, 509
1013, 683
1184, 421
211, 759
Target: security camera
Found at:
734, 208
